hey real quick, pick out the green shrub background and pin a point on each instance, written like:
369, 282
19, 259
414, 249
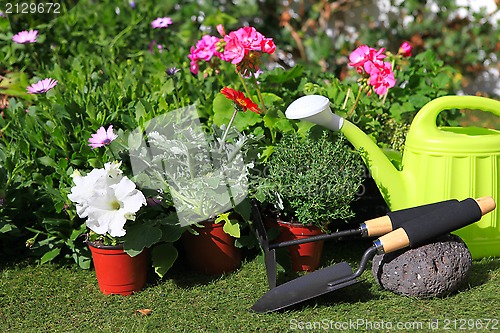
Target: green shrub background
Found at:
98, 52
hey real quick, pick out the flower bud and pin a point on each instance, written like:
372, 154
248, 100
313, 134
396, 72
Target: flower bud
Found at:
220, 29
405, 49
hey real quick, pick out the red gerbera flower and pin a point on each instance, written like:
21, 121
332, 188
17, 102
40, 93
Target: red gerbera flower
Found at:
240, 100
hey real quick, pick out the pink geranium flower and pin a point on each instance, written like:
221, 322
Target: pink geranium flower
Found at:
267, 45
362, 54
240, 47
194, 67
25, 37
161, 22
382, 78
234, 51
42, 86
102, 137
205, 48
221, 30
250, 38
405, 49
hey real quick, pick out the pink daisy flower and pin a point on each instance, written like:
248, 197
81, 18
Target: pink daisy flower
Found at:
103, 137
161, 22
42, 86
25, 37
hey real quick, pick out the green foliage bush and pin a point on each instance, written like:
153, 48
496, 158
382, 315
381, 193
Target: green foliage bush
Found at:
109, 71
320, 35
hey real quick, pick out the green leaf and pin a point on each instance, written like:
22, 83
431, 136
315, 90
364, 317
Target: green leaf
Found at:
171, 233
231, 227
395, 157
284, 125
418, 100
47, 161
6, 227
163, 257
49, 256
140, 236
82, 261
244, 209
266, 153
279, 75
223, 111
270, 98
442, 80
140, 111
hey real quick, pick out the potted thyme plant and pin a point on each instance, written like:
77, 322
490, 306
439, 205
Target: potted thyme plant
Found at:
309, 183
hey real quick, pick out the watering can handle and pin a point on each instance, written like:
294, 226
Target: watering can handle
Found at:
427, 116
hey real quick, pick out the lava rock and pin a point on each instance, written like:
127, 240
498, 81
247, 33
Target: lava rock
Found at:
432, 270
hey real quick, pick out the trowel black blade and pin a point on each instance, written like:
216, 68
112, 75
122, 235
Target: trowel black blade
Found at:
306, 287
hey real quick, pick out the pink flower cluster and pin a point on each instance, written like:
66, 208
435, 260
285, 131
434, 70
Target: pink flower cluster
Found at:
235, 47
369, 62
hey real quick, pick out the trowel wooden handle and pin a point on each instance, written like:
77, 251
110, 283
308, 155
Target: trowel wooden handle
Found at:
393, 220
440, 222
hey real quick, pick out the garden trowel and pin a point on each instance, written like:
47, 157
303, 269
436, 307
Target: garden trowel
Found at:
371, 228
411, 234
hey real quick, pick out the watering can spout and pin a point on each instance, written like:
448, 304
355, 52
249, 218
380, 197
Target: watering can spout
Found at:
316, 109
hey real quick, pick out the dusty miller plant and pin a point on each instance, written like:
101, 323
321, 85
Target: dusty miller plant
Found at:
205, 177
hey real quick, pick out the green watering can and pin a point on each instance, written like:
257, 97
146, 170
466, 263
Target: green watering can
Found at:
439, 163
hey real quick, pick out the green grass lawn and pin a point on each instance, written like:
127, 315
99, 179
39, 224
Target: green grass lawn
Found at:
64, 298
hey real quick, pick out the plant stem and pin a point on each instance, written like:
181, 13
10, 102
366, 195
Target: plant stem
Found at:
264, 109
244, 86
227, 130
349, 115
346, 98
385, 95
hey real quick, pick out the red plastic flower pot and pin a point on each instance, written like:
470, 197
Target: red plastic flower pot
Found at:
212, 252
116, 271
306, 256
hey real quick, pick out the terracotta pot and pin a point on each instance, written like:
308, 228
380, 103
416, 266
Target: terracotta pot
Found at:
212, 252
116, 271
306, 256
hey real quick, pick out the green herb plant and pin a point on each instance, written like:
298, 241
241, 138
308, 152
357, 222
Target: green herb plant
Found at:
310, 180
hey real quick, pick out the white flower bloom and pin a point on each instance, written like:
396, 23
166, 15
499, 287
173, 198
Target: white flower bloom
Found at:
107, 199
75, 173
113, 168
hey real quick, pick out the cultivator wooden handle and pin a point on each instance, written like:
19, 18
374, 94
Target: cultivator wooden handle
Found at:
393, 220
441, 221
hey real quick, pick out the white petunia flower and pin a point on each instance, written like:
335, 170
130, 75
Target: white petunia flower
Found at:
107, 199
113, 169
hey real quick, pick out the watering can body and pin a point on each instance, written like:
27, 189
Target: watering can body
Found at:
439, 163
